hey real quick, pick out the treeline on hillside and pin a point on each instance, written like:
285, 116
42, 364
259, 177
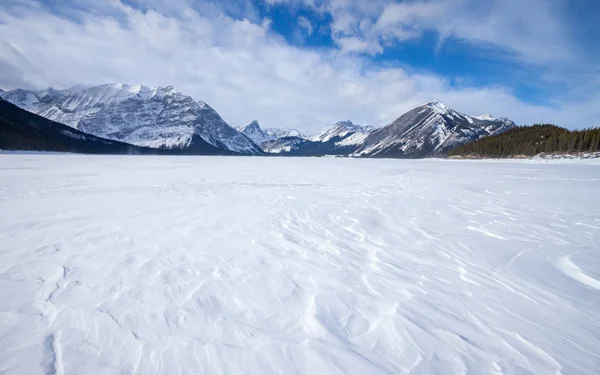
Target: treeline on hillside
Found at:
532, 140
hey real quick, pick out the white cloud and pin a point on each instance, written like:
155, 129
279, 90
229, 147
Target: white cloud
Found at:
357, 45
305, 24
240, 67
406, 13
531, 31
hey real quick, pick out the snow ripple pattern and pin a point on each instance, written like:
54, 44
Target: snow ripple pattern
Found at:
150, 265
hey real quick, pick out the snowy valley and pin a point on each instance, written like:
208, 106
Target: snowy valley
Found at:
299, 187
163, 265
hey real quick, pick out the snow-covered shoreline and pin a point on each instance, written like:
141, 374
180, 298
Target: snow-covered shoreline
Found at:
541, 156
215, 265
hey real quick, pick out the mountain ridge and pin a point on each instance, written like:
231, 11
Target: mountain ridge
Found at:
162, 118
258, 135
431, 129
158, 117
24, 130
342, 138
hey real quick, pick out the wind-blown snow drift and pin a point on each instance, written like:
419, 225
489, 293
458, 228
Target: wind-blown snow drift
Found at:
281, 265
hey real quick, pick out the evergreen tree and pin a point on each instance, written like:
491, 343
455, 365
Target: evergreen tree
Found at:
532, 140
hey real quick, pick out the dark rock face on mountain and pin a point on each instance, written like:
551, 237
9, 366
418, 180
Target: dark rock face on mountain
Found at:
157, 117
429, 130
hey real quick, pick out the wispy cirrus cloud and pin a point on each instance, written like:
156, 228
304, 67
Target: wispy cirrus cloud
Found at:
305, 24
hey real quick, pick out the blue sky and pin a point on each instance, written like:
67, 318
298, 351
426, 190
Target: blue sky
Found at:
310, 63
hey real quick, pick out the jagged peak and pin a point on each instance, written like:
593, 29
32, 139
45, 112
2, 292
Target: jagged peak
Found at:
485, 116
341, 128
344, 123
17, 90
437, 106
21, 97
350, 126
252, 125
120, 88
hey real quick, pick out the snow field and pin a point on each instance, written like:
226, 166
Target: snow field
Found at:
234, 265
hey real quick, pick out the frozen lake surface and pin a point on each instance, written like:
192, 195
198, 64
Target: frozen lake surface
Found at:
224, 265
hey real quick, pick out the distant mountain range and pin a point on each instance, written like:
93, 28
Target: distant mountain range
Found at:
162, 118
258, 135
431, 129
343, 138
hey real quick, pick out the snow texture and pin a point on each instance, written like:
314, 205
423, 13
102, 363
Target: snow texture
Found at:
169, 265
140, 115
559, 156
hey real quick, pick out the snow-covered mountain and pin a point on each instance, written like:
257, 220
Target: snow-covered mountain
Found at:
343, 138
259, 136
254, 132
287, 145
160, 117
341, 130
157, 117
428, 130
285, 132
485, 117
23, 130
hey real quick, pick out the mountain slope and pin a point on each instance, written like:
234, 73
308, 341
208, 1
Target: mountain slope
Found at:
285, 132
288, 146
532, 140
258, 135
147, 116
342, 129
22, 130
429, 130
343, 138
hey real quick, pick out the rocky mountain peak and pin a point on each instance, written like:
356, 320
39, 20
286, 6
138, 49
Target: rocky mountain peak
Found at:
157, 117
